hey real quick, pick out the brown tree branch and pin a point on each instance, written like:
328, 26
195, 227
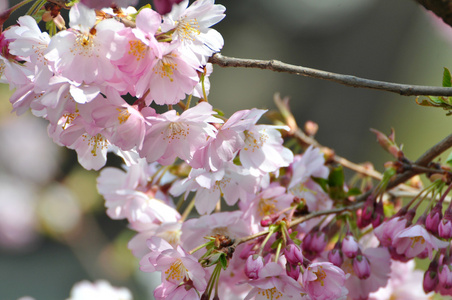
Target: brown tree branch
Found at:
349, 80
441, 8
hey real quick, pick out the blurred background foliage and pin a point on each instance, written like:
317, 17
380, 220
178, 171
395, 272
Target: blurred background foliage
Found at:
53, 228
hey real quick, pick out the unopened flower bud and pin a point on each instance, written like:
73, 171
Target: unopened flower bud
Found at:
253, 265
378, 216
350, 246
445, 226
434, 218
311, 128
268, 220
361, 266
293, 254
319, 242
335, 257
293, 271
445, 276
431, 277
365, 214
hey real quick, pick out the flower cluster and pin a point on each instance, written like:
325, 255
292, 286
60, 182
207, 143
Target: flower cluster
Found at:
292, 233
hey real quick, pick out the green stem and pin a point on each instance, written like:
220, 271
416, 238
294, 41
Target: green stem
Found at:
204, 94
278, 251
270, 232
199, 248
35, 7
187, 210
187, 106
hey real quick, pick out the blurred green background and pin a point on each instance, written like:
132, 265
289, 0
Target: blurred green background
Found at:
53, 228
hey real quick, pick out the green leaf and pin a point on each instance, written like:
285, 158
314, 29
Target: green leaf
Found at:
223, 261
336, 177
276, 243
353, 192
447, 78
449, 159
322, 182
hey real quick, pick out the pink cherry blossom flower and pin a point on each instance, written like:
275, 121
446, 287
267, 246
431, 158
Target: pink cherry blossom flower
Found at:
269, 201
172, 136
273, 283
129, 195
177, 266
73, 131
83, 54
324, 281
414, 240
311, 163
171, 78
169, 291
229, 139
229, 224
11, 72
99, 290
191, 27
380, 268
28, 43
126, 125
169, 231
263, 150
142, 51
388, 230
232, 183
404, 284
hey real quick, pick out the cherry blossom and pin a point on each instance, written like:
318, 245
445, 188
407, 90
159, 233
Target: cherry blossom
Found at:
99, 290
171, 135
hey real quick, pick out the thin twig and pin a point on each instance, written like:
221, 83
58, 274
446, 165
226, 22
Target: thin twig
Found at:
349, 80
423, 160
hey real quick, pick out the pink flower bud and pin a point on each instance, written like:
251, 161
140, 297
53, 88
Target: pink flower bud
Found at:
445, 276
307, 241
335, 257
361, 266
431, 277
293, 254
253, 265
434, 218
293, 271
445, 226
365, 214
350, 246
319, 242
378, 215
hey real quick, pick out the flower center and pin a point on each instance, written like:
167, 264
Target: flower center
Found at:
137, 49
166, 67
416, 240
266, 206
84, 45
97, 141
254, 141
123, 114
176, 131
321, 275
272, 293
188, 29
177, 272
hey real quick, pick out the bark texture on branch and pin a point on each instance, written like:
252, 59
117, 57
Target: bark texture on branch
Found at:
441, 8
